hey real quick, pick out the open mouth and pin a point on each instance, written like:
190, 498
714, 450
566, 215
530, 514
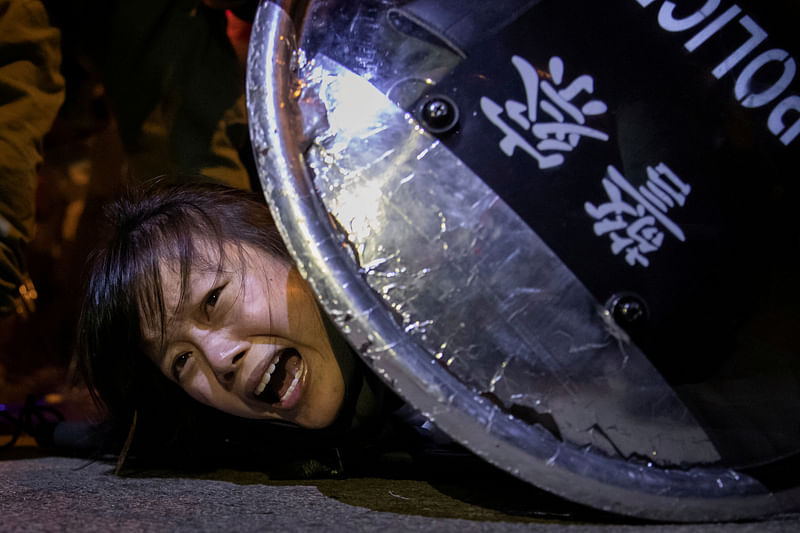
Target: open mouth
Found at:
281, 378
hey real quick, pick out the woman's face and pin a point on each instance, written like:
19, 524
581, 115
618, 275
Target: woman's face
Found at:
248, 341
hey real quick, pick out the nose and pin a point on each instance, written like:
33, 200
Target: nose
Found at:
223, 353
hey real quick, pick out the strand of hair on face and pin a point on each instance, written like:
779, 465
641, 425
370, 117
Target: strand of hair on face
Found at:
127, 446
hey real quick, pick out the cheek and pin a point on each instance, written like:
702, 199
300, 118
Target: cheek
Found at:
205, 389
200, 388
328, 393
262, 305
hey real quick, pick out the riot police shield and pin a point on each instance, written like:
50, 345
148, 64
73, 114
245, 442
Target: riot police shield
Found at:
561, 229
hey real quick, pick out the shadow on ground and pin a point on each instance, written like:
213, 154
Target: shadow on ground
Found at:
465, 487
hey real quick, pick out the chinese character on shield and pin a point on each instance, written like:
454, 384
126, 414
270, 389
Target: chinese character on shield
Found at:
550, 116
636, 226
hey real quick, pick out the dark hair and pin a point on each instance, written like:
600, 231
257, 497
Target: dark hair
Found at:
123, 288
124, 293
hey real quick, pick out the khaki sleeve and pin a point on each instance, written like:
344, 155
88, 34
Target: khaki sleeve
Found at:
31, 92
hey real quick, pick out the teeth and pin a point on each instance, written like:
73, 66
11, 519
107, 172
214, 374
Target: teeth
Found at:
292, 386
265, 379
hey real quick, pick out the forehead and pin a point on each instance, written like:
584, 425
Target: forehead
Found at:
179, 273
182, 277
182, 280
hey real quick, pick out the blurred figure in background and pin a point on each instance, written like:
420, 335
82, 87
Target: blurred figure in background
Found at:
173, 82
153, 88
31, 92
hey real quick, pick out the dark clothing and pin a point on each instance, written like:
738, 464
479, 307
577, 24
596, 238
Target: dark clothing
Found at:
174, 85
31, 92
367, 401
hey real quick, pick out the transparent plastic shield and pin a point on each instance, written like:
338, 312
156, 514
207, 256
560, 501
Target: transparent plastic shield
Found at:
547, 245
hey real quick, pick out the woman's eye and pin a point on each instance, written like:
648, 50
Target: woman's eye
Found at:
213, 297
178, 363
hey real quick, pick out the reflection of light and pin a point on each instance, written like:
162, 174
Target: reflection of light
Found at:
53, 398
354, 100
357, 209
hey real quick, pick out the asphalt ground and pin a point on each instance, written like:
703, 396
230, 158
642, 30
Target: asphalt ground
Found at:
41, 492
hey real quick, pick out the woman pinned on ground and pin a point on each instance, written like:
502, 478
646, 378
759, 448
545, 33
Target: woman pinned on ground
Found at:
202, 340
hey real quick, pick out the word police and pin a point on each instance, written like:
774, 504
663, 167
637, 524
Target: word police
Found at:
753, 52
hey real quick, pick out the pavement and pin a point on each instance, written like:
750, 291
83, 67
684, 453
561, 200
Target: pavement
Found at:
42, 493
